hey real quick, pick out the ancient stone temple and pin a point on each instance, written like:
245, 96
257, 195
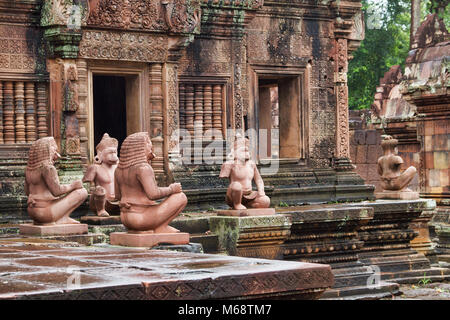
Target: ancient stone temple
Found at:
77, 69
413, 107
186, 71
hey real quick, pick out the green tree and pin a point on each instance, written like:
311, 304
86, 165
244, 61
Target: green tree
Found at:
386, 44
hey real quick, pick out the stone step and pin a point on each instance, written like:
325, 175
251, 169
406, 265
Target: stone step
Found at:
383, 290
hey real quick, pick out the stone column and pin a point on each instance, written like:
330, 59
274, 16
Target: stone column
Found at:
1, 113
19, 99
30, 112
217, 111
42, 113
8, 113
208, 111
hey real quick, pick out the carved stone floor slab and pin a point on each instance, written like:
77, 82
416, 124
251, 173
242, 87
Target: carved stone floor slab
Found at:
53, 230
147, 240
40, 271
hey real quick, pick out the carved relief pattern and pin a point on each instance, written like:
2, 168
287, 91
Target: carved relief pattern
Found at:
238, 85
70, 105
173, 112
154, 15
82, 113
62, 12
342, 134
123, 46
156, 116
18, 49
343, 143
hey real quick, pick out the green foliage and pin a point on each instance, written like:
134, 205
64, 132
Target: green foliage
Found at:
382, 48
424, 281
283, 204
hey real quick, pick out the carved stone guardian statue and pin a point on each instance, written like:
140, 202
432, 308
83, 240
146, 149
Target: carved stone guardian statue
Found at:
101, 177
147, 220
393, 181
50, 203
241, 171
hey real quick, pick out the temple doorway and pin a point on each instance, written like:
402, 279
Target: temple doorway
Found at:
110, 109
278, 113
118, 98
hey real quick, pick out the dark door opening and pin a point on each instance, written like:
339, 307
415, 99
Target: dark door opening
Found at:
110, 107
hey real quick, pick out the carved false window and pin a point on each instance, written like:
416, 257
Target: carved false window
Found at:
23, 111
203, 108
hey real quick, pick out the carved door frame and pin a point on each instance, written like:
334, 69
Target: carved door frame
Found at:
139, 71
301, 76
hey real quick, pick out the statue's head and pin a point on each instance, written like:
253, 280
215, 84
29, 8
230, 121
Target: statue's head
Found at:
107, 151
42, 151
241, 148
136, 149
389, 145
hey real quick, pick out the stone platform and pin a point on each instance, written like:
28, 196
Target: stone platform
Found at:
253, 237
101, 221
45, 271
387, 241
53, 230
397, 195
247, 212
147, 240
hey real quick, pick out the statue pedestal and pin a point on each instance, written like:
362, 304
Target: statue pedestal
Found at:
147, 239
101, 221
247, 212
53, 230
397, 195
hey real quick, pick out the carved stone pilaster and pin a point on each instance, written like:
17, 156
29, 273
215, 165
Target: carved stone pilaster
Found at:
156, 117
172, 116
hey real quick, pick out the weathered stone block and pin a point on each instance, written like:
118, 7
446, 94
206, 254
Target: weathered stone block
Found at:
441, 160
361, 154
371, 137
247, 212
360, 137
147, 240
53, 230
257, 237
372, 154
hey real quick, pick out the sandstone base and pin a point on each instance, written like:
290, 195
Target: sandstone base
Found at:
101, 221
53, 230
399, 195
147, 239
247, 212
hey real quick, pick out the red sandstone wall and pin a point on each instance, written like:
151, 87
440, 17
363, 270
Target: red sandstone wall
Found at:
436, 150
365, 148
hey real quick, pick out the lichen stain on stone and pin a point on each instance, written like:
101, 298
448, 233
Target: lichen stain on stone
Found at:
312, 29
